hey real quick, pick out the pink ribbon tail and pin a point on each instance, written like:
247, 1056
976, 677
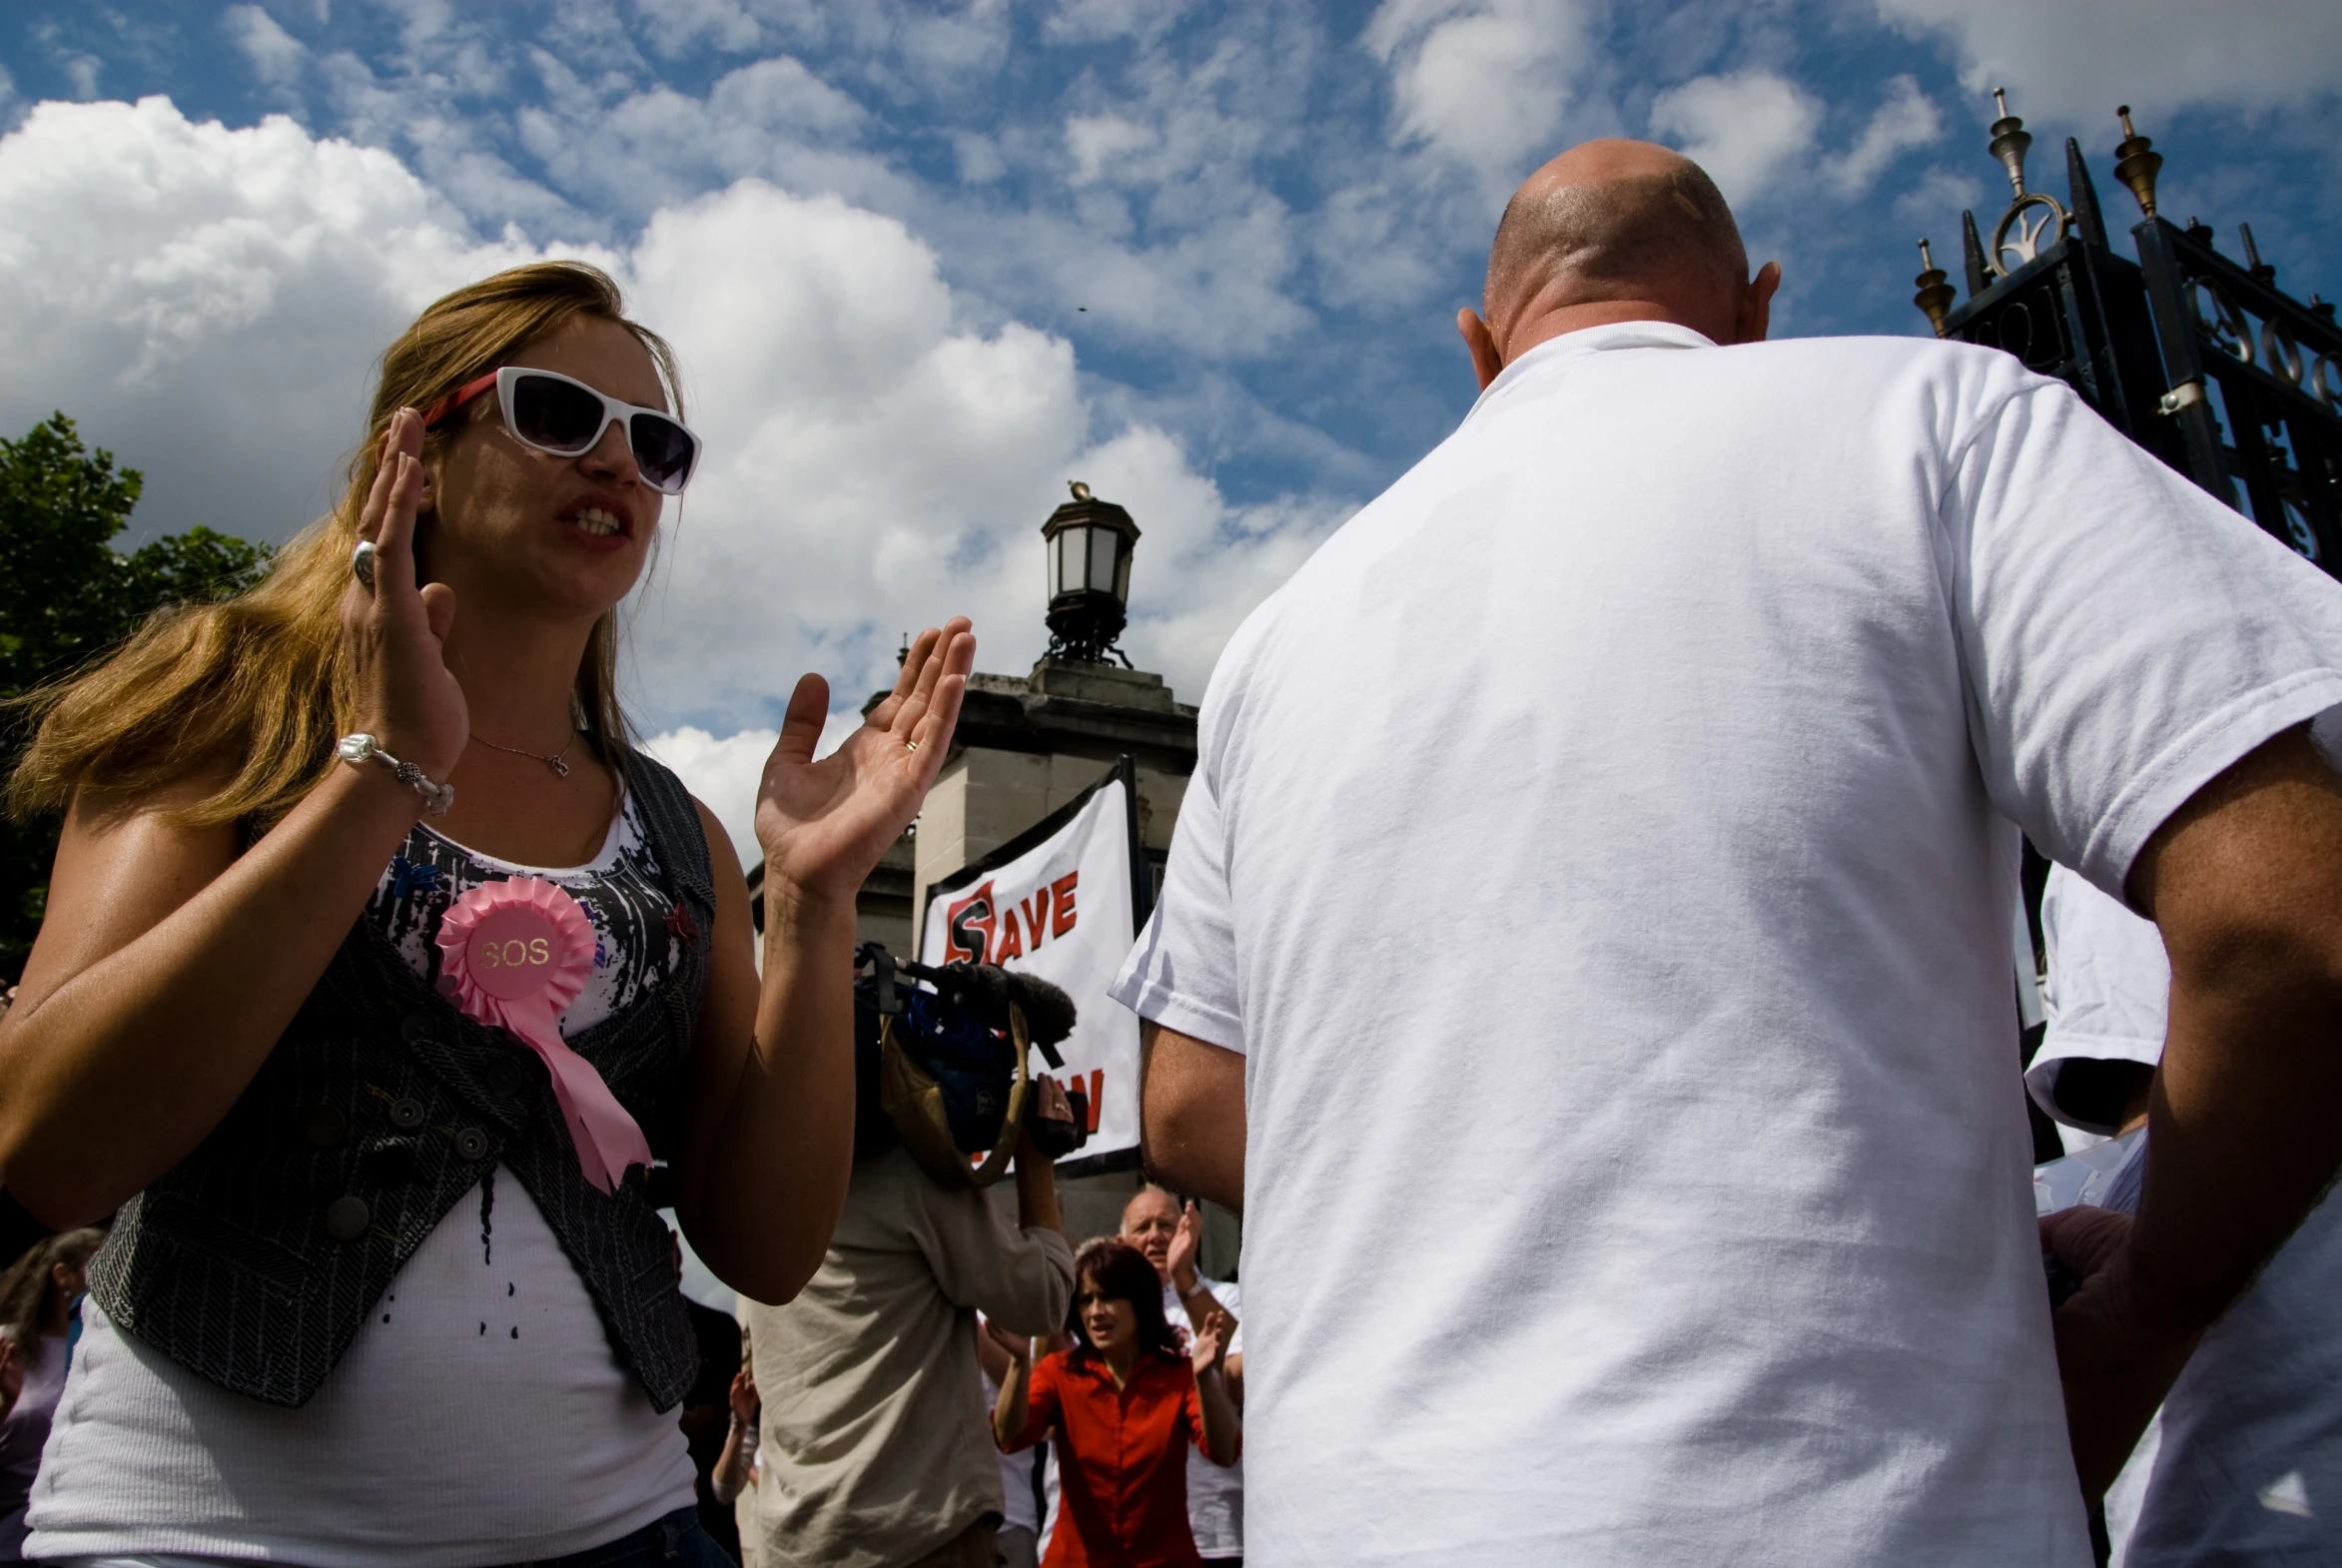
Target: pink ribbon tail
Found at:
607, 1139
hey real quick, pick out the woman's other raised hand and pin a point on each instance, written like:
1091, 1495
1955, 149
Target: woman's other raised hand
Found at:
1208, 1348
824, 824
394, 631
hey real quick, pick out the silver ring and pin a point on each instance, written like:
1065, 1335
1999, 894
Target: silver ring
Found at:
361, 564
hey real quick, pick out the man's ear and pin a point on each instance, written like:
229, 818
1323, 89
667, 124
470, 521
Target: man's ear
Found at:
1756, 304
1482, 342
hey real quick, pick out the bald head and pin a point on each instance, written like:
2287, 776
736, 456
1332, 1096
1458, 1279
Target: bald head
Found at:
1613, 220
1613, 230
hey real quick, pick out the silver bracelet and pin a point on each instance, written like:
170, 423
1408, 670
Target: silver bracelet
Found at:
355, 748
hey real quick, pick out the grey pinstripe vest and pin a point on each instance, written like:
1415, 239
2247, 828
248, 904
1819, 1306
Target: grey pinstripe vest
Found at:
254, 1260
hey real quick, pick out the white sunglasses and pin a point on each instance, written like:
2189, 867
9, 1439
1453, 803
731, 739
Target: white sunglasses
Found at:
564, 416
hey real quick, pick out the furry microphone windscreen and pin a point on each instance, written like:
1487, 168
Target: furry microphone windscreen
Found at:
987, 990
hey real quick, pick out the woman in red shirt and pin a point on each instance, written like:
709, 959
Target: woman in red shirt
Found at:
1126, 1403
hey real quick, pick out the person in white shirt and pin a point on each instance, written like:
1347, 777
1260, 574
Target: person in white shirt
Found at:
1583, 953
1171, 1237
2243, 1463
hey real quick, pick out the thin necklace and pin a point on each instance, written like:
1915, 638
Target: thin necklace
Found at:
560, 768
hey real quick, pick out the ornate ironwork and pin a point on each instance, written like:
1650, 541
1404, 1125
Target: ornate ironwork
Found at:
2015, 235
2202, 360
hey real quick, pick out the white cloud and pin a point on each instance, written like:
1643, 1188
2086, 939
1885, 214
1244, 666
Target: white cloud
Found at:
1485, 82
208, 302
2076, 60
1907, 119
723, 771
1741, 128
276, 55
1096, 139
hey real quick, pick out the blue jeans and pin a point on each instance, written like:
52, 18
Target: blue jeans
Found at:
675, 1541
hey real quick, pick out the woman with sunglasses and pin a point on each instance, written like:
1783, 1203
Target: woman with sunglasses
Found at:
1124, 1402
378, 967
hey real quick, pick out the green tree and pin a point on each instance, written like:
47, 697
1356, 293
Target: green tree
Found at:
67, 598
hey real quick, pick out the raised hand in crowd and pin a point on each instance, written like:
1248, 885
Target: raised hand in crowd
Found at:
1207, 1354
735, 1468
1207, 1342
1185, 1242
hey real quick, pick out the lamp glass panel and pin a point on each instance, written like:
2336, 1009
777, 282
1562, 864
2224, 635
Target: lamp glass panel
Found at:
1104, 544
1057, 565
1122, 570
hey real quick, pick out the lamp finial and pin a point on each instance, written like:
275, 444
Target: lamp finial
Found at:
2136, 163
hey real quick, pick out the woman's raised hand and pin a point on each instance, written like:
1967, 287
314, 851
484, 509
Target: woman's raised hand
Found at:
1208, 1347
1019, 1347
823, 824
745, 1401
394, 632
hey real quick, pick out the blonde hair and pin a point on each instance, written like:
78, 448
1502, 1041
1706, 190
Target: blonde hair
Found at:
259, 682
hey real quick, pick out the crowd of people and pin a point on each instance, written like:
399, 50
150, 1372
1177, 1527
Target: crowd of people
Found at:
1582, 958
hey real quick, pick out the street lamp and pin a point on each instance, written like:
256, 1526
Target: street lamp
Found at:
1088, 547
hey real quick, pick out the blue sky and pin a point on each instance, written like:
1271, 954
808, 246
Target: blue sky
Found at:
926, 263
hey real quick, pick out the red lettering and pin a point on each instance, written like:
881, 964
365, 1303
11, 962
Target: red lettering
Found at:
1061, 895
967, 927
1008, 944
1036, 910
1096, 1095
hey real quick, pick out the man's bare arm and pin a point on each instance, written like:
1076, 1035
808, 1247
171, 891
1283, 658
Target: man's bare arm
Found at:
2245, 883
1192, 1118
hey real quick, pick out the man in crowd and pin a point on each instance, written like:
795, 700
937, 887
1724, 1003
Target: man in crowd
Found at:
1172, 1238
1583, 951
2243, 1463
875, 1453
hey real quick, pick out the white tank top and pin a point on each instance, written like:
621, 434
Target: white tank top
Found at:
479, 1416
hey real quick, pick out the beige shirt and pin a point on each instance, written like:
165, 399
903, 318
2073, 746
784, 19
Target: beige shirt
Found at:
876, 1445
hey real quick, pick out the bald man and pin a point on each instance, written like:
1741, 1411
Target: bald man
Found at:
1583, 955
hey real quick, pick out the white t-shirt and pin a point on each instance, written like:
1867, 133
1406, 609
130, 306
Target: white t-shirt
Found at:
2104, 996
1215, 1493
2243, 1464
1602, 850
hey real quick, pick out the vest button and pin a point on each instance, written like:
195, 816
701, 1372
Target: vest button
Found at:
419, 1029
407, 1113
347, 1218
502, 1076
472, 1142
324, 1126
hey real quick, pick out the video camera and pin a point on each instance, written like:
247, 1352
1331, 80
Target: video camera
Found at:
941, 1063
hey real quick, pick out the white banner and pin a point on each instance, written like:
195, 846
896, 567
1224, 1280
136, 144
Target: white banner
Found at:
1055, 902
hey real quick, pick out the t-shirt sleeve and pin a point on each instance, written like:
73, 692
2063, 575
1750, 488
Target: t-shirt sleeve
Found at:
1182, 973
2107, 998
2125, 636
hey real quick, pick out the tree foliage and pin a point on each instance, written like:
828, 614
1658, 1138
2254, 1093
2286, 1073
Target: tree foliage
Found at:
67, 598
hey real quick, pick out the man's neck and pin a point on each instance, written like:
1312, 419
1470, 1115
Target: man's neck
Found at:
1545, 325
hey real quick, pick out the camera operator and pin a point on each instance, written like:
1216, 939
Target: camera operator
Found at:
877, 1455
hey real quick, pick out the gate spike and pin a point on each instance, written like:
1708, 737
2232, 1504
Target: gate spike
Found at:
1972, 252
2087, 221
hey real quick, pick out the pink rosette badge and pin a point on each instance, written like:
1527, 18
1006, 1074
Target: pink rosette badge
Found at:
513, 955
